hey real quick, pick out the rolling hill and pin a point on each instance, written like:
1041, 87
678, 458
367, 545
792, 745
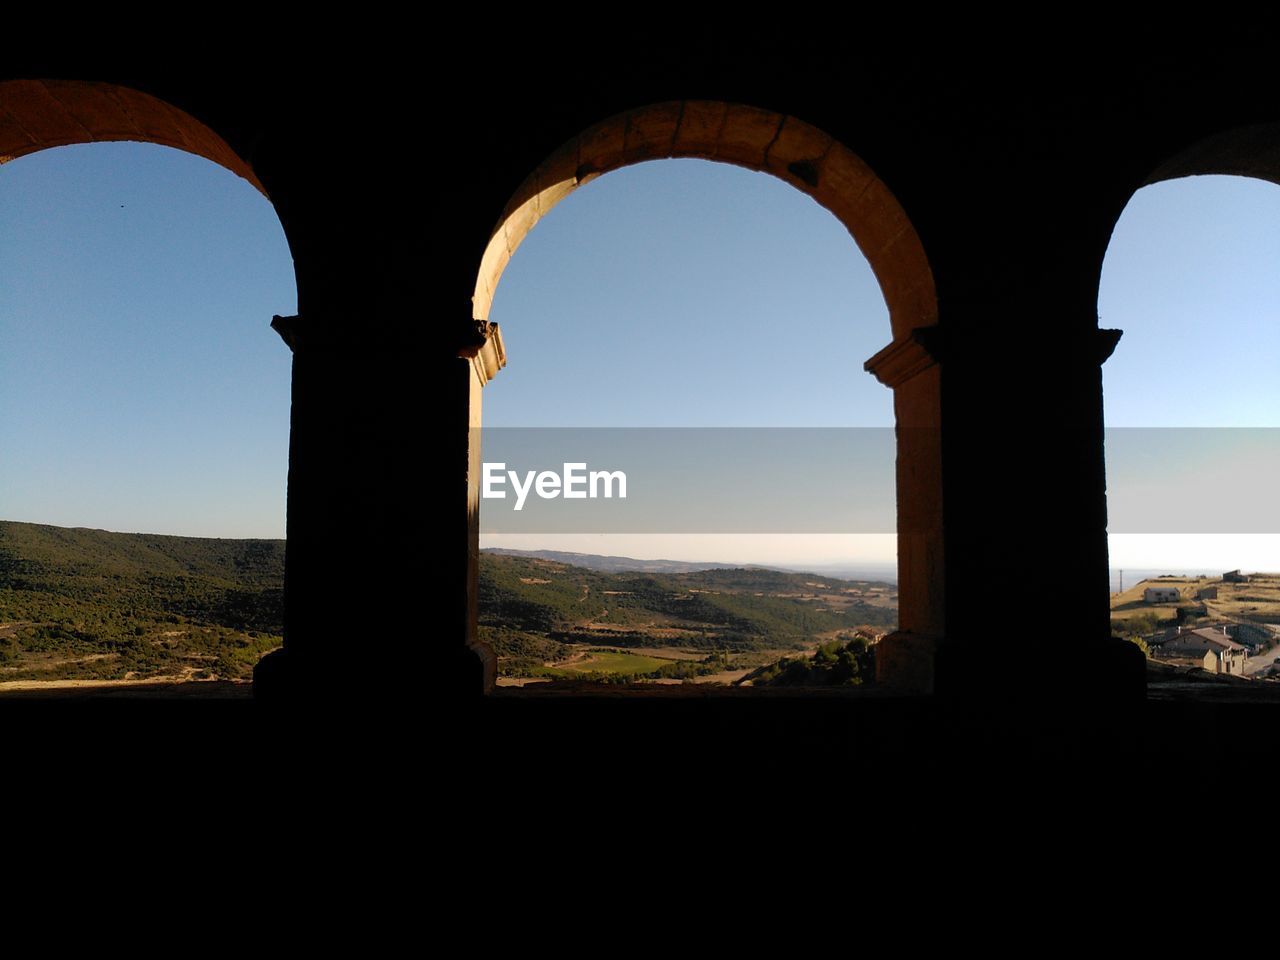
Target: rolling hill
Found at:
89, 604
538, 612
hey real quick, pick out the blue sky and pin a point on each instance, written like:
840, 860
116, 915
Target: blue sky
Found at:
142, 388
689, 293
1192, 276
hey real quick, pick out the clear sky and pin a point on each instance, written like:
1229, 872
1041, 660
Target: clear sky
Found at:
1192, 276
141, 387
688, 293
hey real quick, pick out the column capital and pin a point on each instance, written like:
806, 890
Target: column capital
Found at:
480, 342
310, 335
903, 359
1106, 343
482, 345
287, 327
1089, 347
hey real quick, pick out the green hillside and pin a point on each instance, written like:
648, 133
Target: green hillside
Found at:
834, 664
92, 605
535, 611
89, 604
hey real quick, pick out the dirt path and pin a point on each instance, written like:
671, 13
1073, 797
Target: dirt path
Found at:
171, 685
576, 657
1261, 662
727, 677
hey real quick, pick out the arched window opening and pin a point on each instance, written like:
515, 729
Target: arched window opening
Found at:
683, 294
1192, 411
609, 346
144, 415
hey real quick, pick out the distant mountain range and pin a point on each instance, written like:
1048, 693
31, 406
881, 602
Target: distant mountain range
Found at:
882, 572
610, 564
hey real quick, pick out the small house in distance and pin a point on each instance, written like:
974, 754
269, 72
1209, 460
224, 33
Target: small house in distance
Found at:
1161, 595
1235, 576
1207, 593
1217, 652
1223, 660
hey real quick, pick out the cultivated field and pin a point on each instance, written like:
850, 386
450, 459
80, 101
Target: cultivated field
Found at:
610, 661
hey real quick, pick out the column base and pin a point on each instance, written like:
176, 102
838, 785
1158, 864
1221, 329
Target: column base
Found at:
273, 678
477, 670
471, 672
1075, 670
906, 662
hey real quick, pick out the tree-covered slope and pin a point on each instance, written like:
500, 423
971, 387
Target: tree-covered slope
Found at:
720, 609
94, 604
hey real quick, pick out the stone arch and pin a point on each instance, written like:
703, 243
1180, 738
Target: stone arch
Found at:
1246, 151
1250, 151
38, 114
807, 158
818, 165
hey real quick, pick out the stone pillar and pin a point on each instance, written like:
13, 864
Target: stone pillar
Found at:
479, 358
341, 515
905, 659
382, 439
1025, 489
279, 675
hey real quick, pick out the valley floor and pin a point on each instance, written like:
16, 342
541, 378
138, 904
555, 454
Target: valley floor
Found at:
159, 688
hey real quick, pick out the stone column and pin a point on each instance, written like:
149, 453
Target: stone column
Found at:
1024, 483
383, 438
277, 675
479, 359
910, 367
